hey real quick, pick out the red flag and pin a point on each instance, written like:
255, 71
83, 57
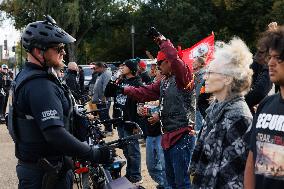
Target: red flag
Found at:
203, 47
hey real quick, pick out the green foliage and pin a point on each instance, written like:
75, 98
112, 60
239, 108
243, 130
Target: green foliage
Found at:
20, 55
278, 11
77, 17
102, 27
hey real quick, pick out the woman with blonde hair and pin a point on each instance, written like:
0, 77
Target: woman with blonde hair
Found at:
219, 157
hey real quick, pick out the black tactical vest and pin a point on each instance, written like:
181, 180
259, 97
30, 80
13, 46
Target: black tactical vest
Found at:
23, 128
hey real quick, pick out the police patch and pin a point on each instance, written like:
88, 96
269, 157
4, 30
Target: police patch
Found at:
49, 114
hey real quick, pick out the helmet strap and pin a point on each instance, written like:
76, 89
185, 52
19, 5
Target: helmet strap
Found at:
41, 63
44, 60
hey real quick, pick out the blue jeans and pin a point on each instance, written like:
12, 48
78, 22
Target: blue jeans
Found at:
155, 161
104, 115
120, 130
177, 160
32, 178
132, 155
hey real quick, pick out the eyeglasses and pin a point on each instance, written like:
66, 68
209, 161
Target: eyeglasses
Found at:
59, 49
207, 73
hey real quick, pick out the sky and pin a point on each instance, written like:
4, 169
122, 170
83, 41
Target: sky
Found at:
8, 31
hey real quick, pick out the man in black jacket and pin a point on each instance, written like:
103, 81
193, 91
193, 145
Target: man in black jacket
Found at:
71, 79
81, 78
261, 84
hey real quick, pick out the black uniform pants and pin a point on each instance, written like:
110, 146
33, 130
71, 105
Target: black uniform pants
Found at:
31, 178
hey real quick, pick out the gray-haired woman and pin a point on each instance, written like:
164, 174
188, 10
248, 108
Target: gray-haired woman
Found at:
219, 157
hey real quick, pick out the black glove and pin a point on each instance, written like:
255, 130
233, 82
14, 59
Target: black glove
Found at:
103, 155
112, 89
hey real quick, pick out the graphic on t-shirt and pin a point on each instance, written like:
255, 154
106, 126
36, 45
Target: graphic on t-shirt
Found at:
270, 159
120, 98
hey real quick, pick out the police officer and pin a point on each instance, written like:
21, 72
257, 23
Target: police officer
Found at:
5, 83
40, 112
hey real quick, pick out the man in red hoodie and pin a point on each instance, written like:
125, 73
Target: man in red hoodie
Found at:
174, 95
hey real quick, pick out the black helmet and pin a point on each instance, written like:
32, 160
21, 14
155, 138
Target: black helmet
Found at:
44, 34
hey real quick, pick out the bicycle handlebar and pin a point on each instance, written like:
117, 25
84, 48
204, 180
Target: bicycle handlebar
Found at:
117, 143
93, 111
114, 120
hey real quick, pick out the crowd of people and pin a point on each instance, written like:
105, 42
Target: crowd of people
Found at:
212, 126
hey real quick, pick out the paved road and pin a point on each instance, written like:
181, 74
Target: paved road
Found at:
8, 179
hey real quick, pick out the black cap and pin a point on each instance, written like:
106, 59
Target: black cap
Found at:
132, 64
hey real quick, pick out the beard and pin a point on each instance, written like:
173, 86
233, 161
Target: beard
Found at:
56, 64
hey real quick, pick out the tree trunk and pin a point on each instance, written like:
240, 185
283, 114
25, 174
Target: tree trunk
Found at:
71, 52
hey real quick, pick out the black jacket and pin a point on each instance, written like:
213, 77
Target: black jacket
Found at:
72, 83
260, 87
81, 80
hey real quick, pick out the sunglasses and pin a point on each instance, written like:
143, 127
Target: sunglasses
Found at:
160, 62
59, 49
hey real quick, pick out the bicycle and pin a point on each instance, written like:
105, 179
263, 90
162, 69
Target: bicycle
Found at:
105, 176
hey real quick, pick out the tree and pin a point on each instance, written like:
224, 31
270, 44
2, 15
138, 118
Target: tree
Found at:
184, 22
245, 19
112, 40
277, 13
77, 17
102, 27
2, 16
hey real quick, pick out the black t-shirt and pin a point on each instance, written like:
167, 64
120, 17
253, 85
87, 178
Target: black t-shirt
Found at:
45, 101
127, 104
267, 143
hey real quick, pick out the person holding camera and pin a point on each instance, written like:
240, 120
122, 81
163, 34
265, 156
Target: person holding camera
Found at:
172, 91
40, 114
